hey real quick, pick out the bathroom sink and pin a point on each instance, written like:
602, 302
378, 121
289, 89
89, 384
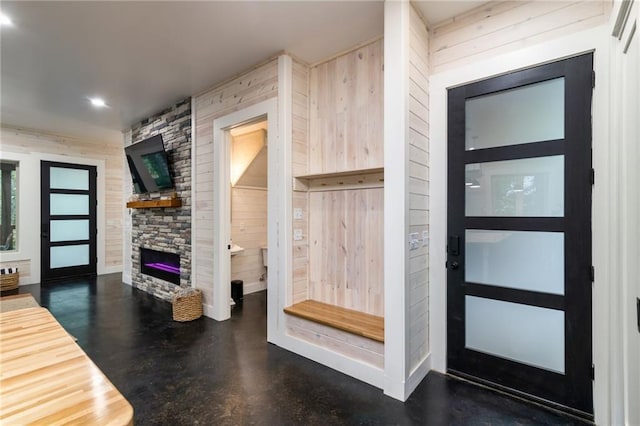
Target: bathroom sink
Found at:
236, 249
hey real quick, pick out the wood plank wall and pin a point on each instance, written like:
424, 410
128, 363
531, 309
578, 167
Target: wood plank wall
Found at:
249, 231
300, 161
337, 126
256, 85
346, 249
504, 26
33, 142
345, 227
24, 271
351, 345
418, 190
346, 112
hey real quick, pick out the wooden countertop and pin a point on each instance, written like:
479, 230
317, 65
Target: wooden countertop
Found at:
46, 378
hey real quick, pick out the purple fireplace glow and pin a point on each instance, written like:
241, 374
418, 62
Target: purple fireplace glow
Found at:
159, 264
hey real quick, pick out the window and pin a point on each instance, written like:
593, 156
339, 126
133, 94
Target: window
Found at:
8, 205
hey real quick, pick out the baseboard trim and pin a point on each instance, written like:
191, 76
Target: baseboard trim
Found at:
207, 310
255, 287
417, 375
349, 366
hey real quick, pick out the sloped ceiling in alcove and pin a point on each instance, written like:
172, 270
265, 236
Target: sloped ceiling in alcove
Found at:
249, 157
256, 173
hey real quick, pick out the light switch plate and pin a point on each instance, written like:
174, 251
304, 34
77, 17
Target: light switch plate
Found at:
425, 238
413, 241
297, 234
297, 213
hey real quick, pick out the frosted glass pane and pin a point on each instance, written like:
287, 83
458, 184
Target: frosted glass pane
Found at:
528, 187
64, 256
531, 113
523, 333
516, 259
69, 204
69, 230
63, 178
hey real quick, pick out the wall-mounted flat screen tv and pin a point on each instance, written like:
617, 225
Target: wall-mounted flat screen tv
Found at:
149, 165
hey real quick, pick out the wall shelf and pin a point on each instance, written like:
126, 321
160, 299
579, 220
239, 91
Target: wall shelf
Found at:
351, 179
355, 322
151, 204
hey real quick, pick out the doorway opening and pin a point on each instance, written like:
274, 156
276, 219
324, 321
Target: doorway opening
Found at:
245, 190
248, 209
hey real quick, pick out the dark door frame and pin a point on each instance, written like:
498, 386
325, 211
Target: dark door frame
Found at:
576, 391
46, 273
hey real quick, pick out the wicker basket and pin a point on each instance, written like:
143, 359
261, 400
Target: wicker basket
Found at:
187, 307
9, 281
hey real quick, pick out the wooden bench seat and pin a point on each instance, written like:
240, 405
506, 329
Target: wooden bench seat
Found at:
355, 322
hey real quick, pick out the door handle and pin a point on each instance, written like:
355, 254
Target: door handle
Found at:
454, 265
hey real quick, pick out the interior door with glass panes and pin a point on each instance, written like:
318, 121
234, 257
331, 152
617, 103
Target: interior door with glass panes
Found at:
519, 233
68, 220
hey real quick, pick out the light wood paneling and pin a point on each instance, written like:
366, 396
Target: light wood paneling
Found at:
504, 26
346, 112
346, 249
301, 249
418, 189
38, 143
24, 268
254, 86
47, 379
249, 230
300, 166
347, 344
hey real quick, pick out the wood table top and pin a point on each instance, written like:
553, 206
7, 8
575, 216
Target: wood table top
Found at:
46, 378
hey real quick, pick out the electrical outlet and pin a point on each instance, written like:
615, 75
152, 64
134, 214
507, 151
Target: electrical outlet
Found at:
297, 234
413, 241
297, 213
425, 238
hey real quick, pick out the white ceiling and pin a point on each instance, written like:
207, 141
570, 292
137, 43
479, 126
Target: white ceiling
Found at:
143, 56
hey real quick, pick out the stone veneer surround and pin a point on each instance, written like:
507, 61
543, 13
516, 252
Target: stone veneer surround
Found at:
165, 229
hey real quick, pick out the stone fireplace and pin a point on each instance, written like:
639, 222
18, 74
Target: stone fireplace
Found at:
165, 233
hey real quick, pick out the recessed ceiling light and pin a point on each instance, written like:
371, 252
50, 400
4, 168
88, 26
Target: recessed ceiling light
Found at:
98, 102
5, 21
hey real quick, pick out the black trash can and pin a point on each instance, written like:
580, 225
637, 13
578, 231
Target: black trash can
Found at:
237, 292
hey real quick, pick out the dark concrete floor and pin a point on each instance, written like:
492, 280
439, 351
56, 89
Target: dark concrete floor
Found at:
225, 373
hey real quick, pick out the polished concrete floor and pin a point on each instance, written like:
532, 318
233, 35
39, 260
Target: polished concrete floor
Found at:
225, 373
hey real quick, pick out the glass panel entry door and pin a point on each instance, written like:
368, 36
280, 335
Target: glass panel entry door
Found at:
519, 226
68, 220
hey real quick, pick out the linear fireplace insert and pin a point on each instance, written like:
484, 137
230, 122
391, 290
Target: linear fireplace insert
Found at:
160, 264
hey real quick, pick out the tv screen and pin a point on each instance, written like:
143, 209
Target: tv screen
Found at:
149, 166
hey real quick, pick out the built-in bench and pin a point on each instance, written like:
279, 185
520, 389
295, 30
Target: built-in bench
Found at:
355, 322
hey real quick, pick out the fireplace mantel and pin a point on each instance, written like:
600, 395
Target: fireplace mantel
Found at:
150, 204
